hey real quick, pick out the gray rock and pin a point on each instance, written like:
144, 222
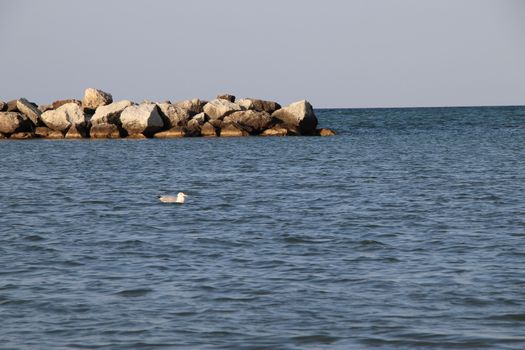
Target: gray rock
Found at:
64, 117
29, 110
226, 97
142, 119
173, 115
105, 131
252, 121
45, 108
12, 122
192, 128
259, 105
218, 109
110, 114
298, 118
94, 98
194, 106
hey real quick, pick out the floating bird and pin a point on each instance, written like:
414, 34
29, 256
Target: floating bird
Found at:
181, 197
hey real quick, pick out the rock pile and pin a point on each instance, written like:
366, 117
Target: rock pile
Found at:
98, 116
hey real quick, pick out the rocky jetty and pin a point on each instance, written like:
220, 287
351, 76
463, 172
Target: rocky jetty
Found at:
98, 116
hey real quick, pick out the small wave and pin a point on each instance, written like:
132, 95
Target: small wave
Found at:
315, 339
134, 293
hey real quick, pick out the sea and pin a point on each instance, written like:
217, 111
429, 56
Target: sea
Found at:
406, 230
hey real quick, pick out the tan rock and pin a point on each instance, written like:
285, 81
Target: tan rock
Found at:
275, 131
259, 105
136, 136
64, 117
2, 136
105, 131
298, 117
76, 132
110, 114
169, 134
3, 106
24, 135
218, 109
142, 119
208, 130
47, 133
230, 130
325, 132
94, 98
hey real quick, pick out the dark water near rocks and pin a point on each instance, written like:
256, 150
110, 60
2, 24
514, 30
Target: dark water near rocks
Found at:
405, 231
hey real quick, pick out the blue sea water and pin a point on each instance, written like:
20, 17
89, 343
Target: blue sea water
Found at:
404, 231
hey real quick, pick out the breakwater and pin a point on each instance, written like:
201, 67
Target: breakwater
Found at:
98, 116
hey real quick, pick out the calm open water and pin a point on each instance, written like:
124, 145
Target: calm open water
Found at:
405, 231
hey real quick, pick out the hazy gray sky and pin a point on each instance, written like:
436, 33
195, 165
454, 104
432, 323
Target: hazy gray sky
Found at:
335, 53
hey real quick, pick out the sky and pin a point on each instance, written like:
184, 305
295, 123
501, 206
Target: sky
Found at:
334, 53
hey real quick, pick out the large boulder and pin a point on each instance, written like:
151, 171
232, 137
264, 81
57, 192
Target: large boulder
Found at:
194, 106
142, 119
259, 105
29, 110
252, 121
298, 118
193, 126
94, 98
12, 122
110, 114
105, 131
174, 115
218, 109
66, 116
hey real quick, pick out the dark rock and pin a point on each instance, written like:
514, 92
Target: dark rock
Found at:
259, 105
226, 97
106, 131
252, 121
208, 130
12, 122
57, 104
47, 133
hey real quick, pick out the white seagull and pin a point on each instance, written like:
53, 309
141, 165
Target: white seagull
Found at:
181, 197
